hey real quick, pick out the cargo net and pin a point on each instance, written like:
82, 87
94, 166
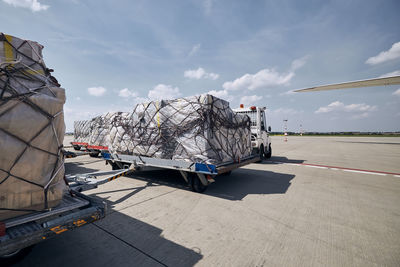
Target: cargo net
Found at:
198, 129
31, 130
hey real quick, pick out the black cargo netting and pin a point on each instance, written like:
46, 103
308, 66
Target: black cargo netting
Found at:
31, 128
199, 128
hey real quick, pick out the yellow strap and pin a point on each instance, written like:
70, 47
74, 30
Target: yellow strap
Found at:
158, 115
8, 50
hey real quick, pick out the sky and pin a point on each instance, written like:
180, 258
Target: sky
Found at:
111, 55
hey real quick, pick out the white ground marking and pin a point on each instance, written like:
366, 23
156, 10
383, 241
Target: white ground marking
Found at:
318, 167
376, 173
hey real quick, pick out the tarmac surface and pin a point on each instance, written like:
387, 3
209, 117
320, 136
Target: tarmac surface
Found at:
319, 201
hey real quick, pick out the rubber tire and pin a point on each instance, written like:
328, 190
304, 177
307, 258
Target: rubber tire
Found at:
77, 148
261, 152
15, 257
94, 154
196, 185
269, 154
114, 166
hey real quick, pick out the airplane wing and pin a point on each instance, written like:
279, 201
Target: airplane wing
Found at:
363, 83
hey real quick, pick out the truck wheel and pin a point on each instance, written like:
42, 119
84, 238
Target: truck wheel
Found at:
94, 154
261, 152
77, 147
269, 154
196, 184
14, 257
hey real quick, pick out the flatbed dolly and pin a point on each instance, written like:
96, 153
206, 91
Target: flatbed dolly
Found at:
92, 150
20, 233
198, 175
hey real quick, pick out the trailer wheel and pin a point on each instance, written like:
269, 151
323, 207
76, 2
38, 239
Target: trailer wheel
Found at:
269, 154
77, 147
14, 257
195, 184
94, 154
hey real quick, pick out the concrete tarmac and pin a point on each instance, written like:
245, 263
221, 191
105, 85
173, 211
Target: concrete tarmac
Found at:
319, 201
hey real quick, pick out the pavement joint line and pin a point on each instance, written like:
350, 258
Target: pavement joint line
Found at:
129, 244
381, 173
140, 202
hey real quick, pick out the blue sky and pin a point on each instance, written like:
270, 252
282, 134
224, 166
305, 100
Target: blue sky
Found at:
110, 55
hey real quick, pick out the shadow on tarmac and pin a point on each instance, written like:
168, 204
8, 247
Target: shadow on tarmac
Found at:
239, 184
118, 240
280, 160
77, 167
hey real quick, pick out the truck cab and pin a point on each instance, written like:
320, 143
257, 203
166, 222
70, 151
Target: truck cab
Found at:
260, 139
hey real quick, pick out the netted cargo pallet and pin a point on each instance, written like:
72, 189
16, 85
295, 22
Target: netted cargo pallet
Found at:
198, 128
31, 130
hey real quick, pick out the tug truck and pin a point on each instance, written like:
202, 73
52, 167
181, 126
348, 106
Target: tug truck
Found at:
260, 139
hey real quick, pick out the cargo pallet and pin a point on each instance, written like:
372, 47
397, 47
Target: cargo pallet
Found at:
19, 234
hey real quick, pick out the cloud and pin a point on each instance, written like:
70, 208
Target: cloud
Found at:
397, 92
126, 93
162, 91
390, 74
200, 73
219, 94
392, 53
290, 92
265, 78
97, 91
194, 50
298, 63
249, 100
361, 110
33, 5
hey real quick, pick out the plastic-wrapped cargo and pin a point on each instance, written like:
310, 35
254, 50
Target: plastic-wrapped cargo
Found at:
82, 131
31, 130
198, 128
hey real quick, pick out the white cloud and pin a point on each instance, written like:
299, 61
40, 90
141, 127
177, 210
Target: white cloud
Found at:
390, 74
97, 91
290, 92
162, 91
200, 73
392, 53
220, 94
127, 93
194, 50
249, 100
397, 92
361, 110
33, 5
298, 63
78, 98
263, 78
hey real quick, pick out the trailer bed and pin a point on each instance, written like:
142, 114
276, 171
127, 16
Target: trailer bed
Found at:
75, 211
